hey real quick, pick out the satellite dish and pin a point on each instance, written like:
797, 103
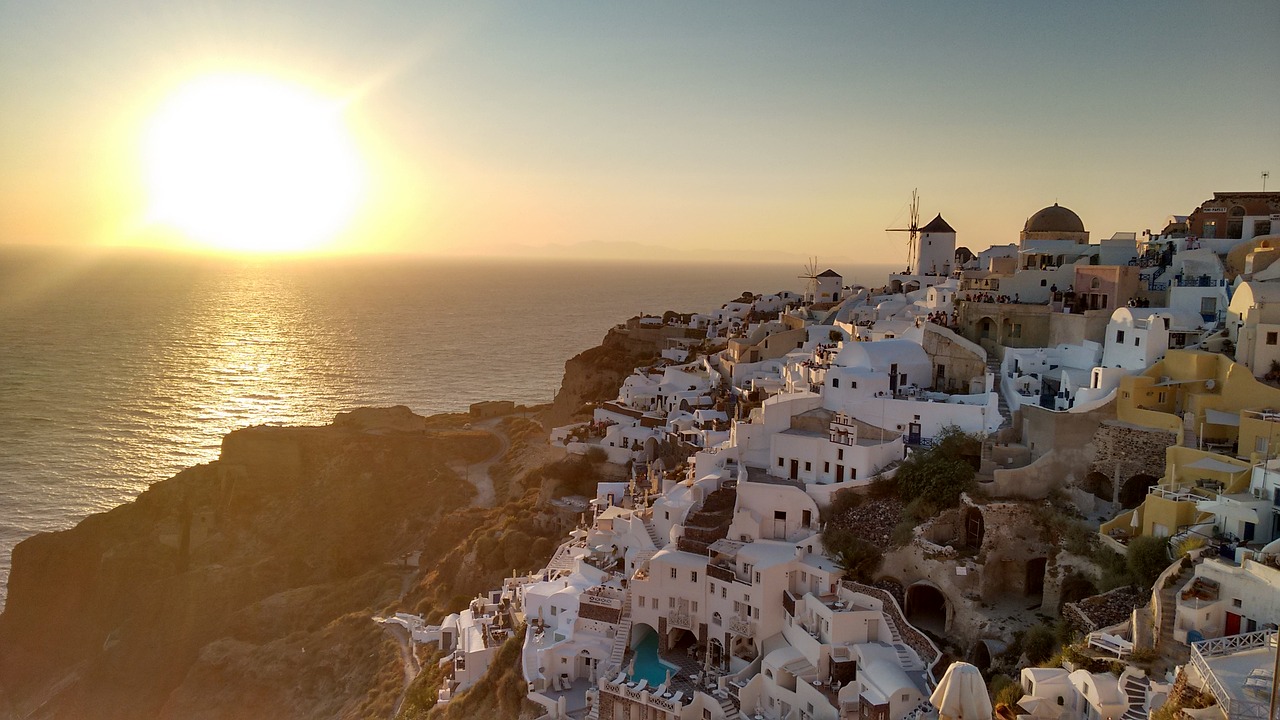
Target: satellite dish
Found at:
1208, 384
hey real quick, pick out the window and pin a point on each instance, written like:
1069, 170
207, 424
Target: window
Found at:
1017, 330
835, 382
1271, 338
1235, 602
1160, 397
808, 466
724, 593
1208, 306
713, 587
826, 467
757, 577
779, 462
1119, 336
1043, 283
853, 384
693, 576
853, 473
804, 576
780, 515
695, 606
673, 573
839, 454
1210, 229
905, 697
1137, 340
756, 612
1061, 701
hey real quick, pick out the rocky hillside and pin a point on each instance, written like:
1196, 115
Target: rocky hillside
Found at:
244, 587
595, 375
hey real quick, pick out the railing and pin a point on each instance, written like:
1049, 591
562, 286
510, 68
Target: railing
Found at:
1173, 494
680, 619
1233, 708
741, 627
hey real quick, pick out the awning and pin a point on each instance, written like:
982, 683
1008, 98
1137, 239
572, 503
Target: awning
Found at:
1208, 464
1228, 510
1218, 417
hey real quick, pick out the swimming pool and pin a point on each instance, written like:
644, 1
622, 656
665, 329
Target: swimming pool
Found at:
648, 665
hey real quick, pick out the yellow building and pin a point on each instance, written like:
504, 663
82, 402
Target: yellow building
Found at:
1225, 420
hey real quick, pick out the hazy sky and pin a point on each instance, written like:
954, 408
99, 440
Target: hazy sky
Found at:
747, 129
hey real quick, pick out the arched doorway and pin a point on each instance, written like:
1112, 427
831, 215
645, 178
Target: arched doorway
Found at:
927, 607
987, 328
1098, 485
1135, 489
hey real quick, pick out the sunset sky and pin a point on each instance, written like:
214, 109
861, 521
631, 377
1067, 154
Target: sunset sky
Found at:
738, 130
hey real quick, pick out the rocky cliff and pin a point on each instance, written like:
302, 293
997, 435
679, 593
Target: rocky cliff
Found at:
595, 375
240, 588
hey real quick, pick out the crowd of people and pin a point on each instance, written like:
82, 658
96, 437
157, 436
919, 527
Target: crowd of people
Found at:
941, 317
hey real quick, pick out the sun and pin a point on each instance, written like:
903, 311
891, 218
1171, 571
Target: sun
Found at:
252, 163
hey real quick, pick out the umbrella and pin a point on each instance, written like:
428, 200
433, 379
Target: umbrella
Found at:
961, 694
1039, 707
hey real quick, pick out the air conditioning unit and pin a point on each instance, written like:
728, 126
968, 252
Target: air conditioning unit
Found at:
1257, 493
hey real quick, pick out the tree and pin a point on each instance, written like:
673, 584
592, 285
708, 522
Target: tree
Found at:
858, 558
1147, 557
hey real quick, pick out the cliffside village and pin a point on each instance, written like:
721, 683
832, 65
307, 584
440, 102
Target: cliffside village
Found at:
1131, 383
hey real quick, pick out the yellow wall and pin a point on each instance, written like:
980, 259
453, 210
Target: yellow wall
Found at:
1172, 514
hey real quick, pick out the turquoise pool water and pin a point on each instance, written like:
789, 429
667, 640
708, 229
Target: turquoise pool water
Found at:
648, 665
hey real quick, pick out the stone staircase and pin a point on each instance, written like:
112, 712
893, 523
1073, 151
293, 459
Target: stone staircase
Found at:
1135, 692
726, 706
993, 367
1165, 641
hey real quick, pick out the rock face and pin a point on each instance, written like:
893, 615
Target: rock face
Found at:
595, 375
240, 588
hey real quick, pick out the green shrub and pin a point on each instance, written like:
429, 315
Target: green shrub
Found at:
1038, 643
1146, 559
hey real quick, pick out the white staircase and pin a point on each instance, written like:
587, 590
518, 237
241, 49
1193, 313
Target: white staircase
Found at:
1135, 692
726, 705
619, 650
653, 534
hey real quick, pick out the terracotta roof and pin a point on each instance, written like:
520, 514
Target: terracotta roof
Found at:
937, 225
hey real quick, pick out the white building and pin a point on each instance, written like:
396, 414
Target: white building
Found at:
1136, 338
935, 249
1253, 324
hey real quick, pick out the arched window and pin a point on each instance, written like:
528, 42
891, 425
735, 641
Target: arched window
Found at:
1095, 283
1237, 211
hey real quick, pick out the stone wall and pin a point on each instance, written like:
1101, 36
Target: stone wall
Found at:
959, 364
1130, 450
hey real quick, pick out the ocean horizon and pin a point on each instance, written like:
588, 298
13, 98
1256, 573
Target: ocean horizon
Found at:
120, 369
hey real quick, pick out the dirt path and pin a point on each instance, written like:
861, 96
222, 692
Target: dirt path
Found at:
407, 661
478, 473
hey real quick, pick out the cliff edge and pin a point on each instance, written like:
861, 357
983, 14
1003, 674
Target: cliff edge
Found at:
239, 588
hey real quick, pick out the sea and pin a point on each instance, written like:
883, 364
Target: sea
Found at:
121, 368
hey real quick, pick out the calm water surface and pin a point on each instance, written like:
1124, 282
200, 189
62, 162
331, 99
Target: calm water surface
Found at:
120, 370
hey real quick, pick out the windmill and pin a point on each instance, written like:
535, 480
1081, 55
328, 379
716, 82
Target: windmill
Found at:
811, 274
913, 228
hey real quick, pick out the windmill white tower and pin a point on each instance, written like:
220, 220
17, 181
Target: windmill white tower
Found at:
810, 274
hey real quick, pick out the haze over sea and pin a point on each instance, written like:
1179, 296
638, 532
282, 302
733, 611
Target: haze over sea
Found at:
122, 369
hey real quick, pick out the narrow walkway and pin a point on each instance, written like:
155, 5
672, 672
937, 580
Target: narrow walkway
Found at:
478, 473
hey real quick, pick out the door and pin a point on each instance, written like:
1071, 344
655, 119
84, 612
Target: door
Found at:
893, 379
795, 469
1233, 625
913, 433
839, 473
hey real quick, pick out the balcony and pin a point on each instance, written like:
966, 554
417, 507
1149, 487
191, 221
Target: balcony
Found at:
680, 619
741, 627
